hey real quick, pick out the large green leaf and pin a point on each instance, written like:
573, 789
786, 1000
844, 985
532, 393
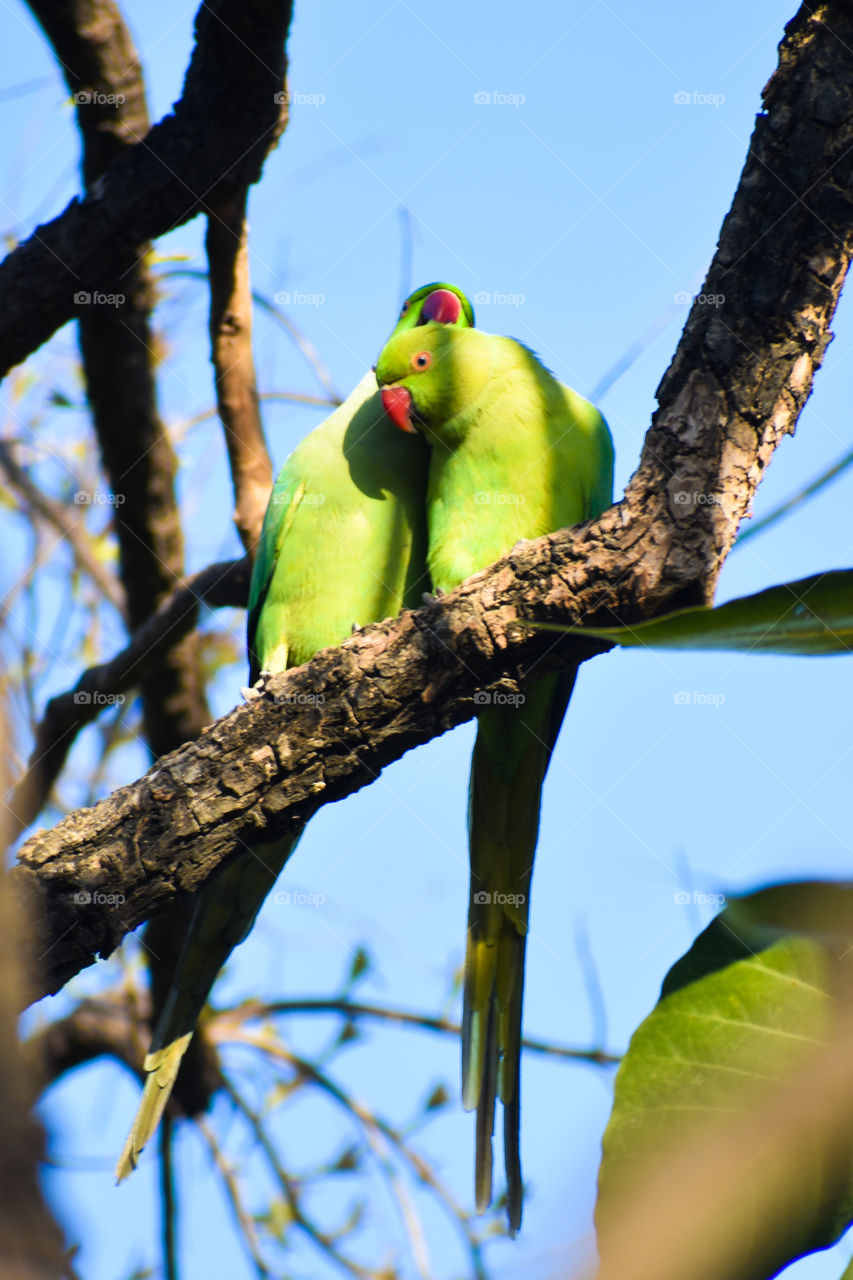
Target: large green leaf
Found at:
811, 617
739, 1014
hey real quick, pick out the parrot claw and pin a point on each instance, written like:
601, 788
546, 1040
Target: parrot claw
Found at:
429, 598
258, 689
356, 627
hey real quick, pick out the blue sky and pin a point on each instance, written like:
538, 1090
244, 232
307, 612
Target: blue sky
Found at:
584, 199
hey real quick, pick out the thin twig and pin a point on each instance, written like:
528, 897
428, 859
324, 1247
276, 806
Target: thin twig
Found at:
252, 1009
68, 524
242, 1215
307, 348
286, 1183
374, 1129
219, 585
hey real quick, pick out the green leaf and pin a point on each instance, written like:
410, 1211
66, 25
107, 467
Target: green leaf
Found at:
821, 910
360, 965
811, 617
739, 1014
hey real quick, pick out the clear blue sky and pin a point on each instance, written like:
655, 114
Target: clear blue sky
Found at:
591, 194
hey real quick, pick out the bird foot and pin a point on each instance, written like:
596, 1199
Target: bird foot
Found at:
258, 689
429, 598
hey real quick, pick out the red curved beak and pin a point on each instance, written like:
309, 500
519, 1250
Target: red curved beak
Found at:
397, 403
442, 306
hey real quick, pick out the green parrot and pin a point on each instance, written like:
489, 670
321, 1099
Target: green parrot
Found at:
343, 543
513, 454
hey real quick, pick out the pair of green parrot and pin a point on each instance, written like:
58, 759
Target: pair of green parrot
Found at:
468, 445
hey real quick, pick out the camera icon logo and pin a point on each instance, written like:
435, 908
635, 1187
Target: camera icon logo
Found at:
482, 698
482, 898
482, 98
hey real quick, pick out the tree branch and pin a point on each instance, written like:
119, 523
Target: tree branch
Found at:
217, 586
68, 524
231, 351
740, 378
215, 142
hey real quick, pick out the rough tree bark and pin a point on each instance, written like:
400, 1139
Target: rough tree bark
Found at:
739, 379
215, 142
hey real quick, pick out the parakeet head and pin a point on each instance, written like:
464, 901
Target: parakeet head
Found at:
429, 375
443, 303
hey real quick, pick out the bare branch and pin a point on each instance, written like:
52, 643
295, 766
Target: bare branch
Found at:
252, 1009
215, 141
231, 352
67, 523
218, 586
242, 1214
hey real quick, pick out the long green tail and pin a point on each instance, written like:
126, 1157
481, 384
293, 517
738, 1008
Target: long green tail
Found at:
224, 915
511, 757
